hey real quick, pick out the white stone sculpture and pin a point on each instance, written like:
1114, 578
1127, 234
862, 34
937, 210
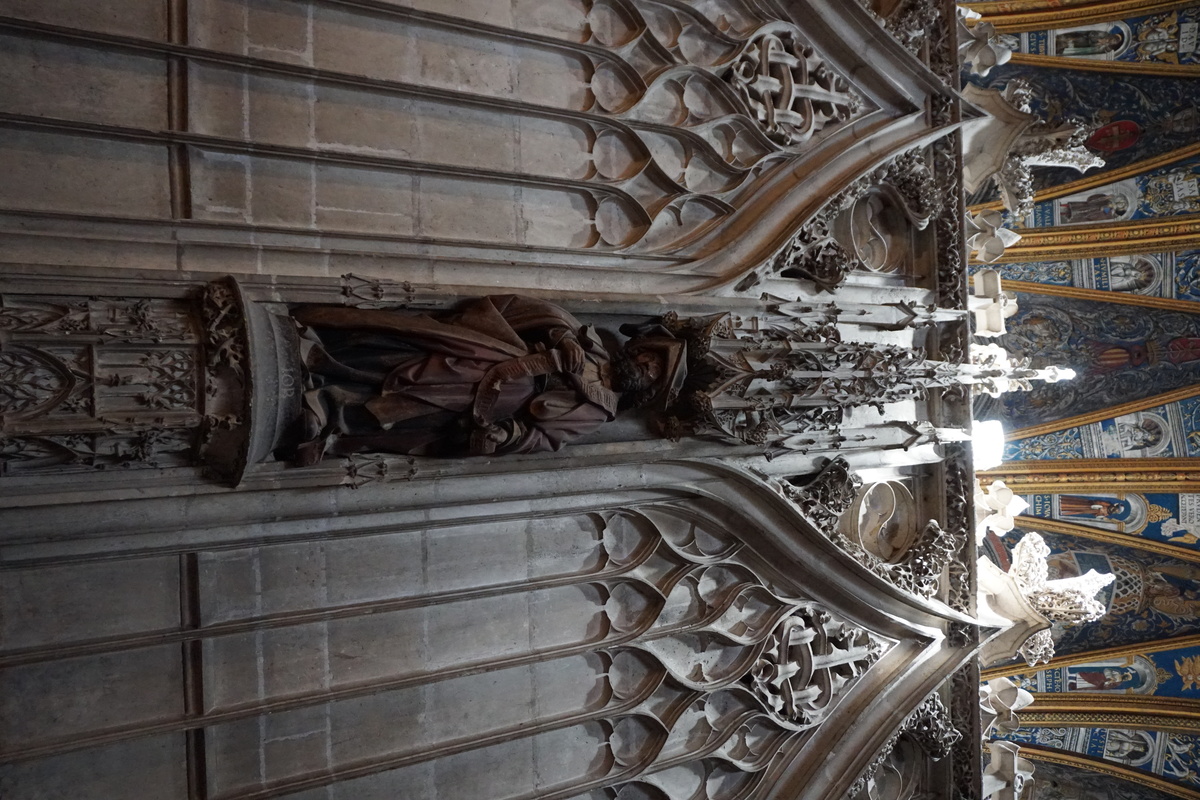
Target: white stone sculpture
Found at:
996, 509
1011, 139
1024, 602
993, 371
1007, 773
987, 236
990, 304
999, 701
979, 47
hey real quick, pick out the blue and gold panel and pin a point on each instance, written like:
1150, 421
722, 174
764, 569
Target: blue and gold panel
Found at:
1167, 431
1174, 756
1164, 192
1121, 354
1136, 116
1168, 518
1165, 38
1171, 275
1168, 673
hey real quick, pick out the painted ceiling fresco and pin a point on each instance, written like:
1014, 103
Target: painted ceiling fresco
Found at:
1174, 756
1163, 673
1120, 353
1061, 782
1136, 116
1169, 518
1167, 191
1173, 275
1154, 597
1171, 430
1127, 358
1169, 37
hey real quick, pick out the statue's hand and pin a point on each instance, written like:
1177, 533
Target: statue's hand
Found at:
572, 356
497, 434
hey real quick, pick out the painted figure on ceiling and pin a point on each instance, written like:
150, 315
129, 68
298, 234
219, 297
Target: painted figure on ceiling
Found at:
1131, 747
1083, 679
1146, 434
1100, 207
502, 374
1070, 505
1131, 276
1158, 39
1088, 43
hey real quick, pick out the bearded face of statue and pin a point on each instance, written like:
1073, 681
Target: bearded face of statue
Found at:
636, 373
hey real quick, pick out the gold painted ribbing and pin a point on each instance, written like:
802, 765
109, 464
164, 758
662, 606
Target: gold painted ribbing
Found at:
1104, 413
1015, 16
1154, 68
1111, 768
1092, 656
1129, 540
1114, 769
1130, 237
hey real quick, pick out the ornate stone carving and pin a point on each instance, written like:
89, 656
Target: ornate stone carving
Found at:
791, 91
769, 382
999, 700
987, 237
996, 509
1025, 601
948, 225
1013, 139
1007, 774
816, 252
980, 48
917, 568
722, 666
966, 755
807, 661
929, 726
93, 383
959, 525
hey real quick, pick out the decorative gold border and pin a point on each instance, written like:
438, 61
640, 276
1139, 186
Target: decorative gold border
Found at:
1101, 178
1185, 722
1103, 654
1123, 298
1099, 474
1016, 16
1125, 773
1130, 540
1157, 68
1056, 484
1142, 465
1066, 702
1106, 238
1105, 413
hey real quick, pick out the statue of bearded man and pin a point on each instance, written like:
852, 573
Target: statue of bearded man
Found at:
502, 374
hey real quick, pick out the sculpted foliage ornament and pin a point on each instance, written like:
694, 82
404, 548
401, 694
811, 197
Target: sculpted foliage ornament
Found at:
1024, 601
917, 568
929, 727
807, 662
905, 184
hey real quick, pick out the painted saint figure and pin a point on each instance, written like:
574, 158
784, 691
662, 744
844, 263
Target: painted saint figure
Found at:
1101, 680
1095, 507
502, 374
1088, 43
1096, 208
